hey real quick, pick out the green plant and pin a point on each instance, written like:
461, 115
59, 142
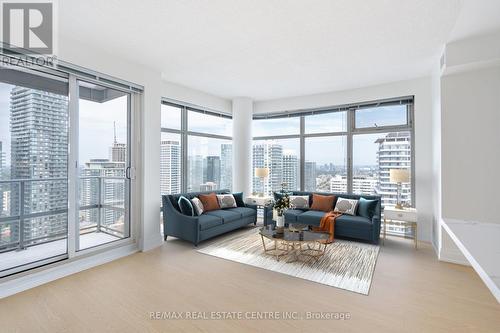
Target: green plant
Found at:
283, 203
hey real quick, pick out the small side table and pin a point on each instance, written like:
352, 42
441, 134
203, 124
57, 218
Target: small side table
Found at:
262, 202
398, 217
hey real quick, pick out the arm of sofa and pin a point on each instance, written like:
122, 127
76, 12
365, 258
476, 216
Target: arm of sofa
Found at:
179, 225
376, 221
251, 206
376, 228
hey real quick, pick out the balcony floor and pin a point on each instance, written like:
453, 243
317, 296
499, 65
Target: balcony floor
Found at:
47, 250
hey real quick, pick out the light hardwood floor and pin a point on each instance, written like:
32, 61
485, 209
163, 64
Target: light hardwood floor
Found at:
411, 292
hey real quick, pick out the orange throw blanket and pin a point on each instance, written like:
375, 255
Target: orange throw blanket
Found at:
327, 224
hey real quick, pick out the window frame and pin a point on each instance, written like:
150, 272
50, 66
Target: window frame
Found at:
185, 133
351, 130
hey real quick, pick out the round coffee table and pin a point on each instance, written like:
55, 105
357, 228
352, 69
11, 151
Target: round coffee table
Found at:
294, 245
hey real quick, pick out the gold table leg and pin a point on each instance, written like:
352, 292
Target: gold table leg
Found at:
385, 231
415, 231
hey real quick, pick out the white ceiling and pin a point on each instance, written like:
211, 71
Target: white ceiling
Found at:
272, 48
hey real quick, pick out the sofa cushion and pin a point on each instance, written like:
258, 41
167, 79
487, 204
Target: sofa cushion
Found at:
299, 201
226, 201
311, 217
366, 208
186, 206
226, 215
238, 196
291, 215
243, 211
197, 206
322, 203
346, 206
209, 201
353, 222
208, 221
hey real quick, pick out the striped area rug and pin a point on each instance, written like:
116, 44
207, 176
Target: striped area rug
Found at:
347, 265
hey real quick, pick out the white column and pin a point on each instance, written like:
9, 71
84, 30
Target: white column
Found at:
242, 145
149, 163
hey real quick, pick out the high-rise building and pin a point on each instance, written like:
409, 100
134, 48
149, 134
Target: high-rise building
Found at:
226, 166
268, 155
338, 184
170, 167
210, 186
211, 170
365, 184
118, 151
195, 172
39, 149
394, 152
310, 174
291, 170
103, 183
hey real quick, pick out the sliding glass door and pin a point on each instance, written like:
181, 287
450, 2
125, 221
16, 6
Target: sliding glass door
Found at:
33, 169
65, 166
104, 161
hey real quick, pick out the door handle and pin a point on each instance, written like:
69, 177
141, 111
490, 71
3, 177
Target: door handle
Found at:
130, 173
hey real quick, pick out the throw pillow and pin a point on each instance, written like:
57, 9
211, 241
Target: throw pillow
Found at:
186, 206
366, 208
198, 206
346, 206
209, 201
226, 201
299, 201
239, 199
322, 203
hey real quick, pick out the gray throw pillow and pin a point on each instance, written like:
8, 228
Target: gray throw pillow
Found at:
226, 201
299, 201
346, 206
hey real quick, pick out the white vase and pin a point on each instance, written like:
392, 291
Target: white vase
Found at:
280, 221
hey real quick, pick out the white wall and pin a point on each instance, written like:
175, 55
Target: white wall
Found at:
471, 145
468, 114
421, 89
195, 97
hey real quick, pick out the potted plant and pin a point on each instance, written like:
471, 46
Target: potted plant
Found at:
280, 206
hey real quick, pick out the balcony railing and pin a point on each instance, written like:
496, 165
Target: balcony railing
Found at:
37, 209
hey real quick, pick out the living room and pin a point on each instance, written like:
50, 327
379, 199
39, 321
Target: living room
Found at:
249, 166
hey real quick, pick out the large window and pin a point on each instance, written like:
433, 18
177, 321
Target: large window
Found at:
196, 150
282, 158
350, 148
326, 164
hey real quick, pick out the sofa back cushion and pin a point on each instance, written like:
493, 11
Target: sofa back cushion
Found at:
209, 201
322, 203
174, 198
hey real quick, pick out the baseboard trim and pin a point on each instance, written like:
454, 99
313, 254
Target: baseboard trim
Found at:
454, 257
16, 285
